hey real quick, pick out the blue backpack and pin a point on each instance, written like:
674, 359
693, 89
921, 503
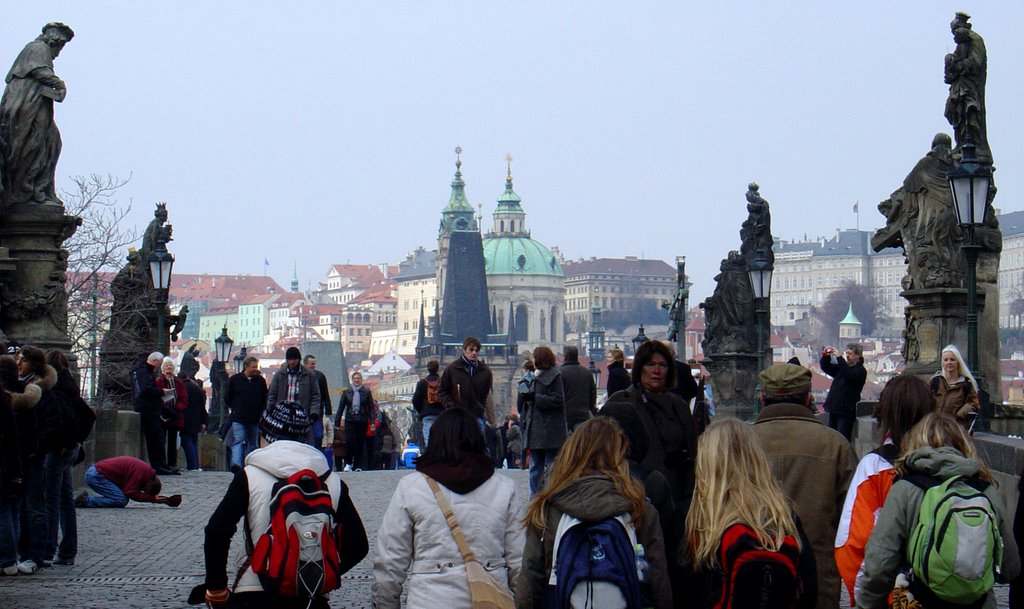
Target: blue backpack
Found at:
595, 565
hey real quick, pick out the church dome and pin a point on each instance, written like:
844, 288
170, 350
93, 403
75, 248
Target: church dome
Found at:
519, 256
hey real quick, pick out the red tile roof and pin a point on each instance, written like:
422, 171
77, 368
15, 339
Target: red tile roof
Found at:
188, 287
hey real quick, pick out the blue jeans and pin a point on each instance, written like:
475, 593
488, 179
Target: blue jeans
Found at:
10, 527
540, 460
111, 495
428, 422
247, 434
318, 431
190, 444
60, 505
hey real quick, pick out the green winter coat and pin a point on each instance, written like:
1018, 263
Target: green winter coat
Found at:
886, 553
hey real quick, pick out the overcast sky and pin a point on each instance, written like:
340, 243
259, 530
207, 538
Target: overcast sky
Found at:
324, 132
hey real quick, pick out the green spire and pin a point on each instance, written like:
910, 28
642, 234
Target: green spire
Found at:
508, 201
458, 214
850, 317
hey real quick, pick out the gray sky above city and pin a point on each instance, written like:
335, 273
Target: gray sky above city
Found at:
324, 132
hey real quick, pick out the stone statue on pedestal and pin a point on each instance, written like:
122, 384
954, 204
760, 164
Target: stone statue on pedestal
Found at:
966, 69
31, 141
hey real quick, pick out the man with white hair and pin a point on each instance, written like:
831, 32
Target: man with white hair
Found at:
147, 397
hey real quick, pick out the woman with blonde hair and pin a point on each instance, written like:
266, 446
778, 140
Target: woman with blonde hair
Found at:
723, 498
590, 482
936, 448
954, 387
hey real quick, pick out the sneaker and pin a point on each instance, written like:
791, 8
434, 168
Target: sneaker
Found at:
27, 567
11, 570
348, 468
46, 564
70, 562
82, 499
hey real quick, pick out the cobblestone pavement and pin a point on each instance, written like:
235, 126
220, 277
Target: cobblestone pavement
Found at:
150, 556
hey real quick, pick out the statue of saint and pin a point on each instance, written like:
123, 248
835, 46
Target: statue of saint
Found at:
965, 73
728, 312
756, 231
30, 139
919, 217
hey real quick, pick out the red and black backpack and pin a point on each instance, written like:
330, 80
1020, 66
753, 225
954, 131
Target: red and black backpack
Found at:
756, 578
297, 556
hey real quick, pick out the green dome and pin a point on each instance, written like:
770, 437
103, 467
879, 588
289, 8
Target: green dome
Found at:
519, 256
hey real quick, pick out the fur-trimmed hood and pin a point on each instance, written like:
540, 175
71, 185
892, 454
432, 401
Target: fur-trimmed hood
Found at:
34, 389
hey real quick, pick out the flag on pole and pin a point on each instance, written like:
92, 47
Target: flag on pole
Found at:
856, 207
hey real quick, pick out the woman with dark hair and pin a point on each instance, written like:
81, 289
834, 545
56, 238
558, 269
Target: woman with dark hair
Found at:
546, 427
414, 535
56, 437
670, 428
618, 377
905, 400
57, 467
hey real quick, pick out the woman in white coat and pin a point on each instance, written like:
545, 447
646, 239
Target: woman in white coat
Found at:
414, 537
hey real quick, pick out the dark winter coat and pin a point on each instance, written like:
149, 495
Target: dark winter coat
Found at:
246, 398
84, 416
325, 393
686, 386
345, 411
580, 393
546, 427
24, 399
10, 456
309, 390
618, 378
460, 388
847, 383
195, 415
56, 420
150, 395
671, 431
419, 398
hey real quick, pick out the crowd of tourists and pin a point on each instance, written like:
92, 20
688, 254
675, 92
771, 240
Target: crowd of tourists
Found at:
633, 504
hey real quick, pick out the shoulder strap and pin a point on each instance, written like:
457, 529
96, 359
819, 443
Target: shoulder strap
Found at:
449, 516
922, 481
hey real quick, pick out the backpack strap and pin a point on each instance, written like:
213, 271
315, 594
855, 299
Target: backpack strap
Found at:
453, 524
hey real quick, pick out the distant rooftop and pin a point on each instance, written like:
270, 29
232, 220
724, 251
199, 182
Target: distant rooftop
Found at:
630, 265
849, 242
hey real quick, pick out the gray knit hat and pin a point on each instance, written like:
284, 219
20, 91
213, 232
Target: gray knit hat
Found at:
284, 421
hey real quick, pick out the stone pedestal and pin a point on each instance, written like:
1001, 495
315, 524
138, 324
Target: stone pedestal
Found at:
212, 456
34, 300
938, 317
733, 382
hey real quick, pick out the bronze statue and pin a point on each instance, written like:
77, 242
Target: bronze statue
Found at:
31, 141
965, 73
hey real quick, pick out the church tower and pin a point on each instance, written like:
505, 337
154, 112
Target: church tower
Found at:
458, 215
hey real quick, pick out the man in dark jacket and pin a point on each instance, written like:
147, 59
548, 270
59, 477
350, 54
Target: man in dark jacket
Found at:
426, 401
686, 386
147, 399
466, 382
196, 418
580, 389
848, 377
355, 408
294, 383
246, 397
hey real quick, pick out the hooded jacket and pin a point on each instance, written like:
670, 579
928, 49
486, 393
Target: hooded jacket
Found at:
414, 539
590, 499
249, 495
546, 425
885, 555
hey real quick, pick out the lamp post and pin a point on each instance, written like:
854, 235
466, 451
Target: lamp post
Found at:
219, 378
240, 359
760, 272
160, 263
639, 339
969, 182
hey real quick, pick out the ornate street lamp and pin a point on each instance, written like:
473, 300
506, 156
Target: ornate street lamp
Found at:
969, 182
760, 272
160, 264
240, 359
219, 378
639, 339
